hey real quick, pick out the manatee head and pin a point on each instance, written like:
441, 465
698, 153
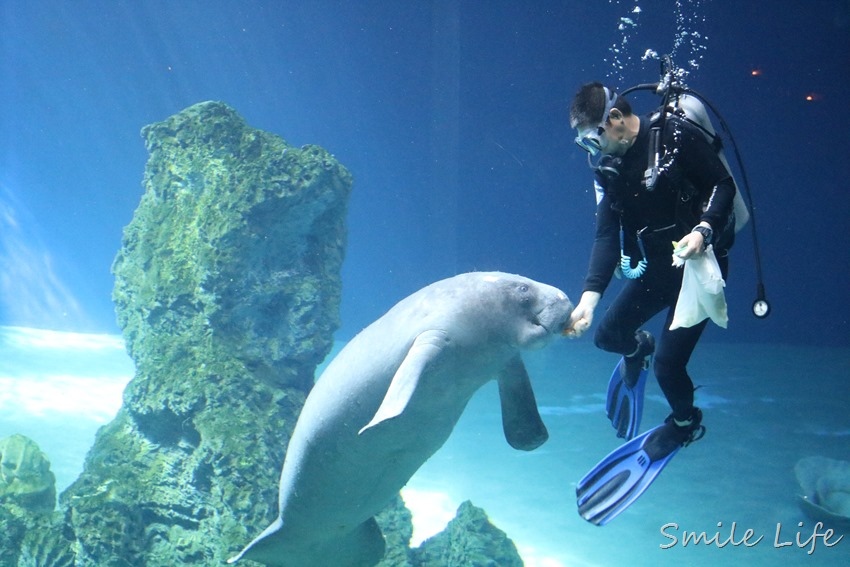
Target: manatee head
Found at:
531, 312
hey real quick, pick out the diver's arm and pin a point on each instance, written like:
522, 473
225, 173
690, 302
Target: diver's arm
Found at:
605, 254
603, 260
717, 214
720, 204
708, 173
705, 169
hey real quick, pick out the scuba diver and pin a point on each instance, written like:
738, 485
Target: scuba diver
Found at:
659, 178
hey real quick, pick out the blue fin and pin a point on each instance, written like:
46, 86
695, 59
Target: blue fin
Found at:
621, 477
625, 403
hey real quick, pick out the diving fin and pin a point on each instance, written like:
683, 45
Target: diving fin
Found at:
620, 478
625, 403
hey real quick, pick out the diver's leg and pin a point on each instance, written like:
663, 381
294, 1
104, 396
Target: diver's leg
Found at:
671, 359
619, 330
638, 302
672, 355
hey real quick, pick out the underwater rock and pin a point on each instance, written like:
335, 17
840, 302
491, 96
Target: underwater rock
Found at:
826, 490
239, 237
227, 290
396, 523
13, 529
26, 480
46, 546
27, 493
469, 540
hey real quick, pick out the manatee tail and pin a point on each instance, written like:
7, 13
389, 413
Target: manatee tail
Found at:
362, 547
261, 543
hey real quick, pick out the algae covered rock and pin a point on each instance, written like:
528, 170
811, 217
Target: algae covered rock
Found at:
27, 494
227, 290
396, 523
469, 540
45, 545
238, 235
25, 477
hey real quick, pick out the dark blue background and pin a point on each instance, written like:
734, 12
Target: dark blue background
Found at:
452, 116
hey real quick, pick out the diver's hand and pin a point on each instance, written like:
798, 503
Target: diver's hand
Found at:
691, 244
582, 316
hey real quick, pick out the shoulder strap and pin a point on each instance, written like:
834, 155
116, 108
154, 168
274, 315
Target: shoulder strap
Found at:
656, 127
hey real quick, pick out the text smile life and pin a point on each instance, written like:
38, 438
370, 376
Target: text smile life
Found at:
749, 538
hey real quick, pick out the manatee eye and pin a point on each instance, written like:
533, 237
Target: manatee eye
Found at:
523, 288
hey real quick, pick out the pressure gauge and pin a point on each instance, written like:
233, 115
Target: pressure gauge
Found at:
761, 308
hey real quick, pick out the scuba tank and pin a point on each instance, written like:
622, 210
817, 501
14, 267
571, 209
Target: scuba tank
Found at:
690, 106
693, 110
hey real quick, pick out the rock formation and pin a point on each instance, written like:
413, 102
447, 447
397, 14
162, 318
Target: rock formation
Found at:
470, 540
27, 493
26, 481
227, 290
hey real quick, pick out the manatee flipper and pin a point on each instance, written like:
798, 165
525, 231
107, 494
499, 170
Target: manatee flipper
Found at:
425, 348
362, 547
524, 429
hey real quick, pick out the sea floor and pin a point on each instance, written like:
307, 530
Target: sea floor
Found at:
765, 407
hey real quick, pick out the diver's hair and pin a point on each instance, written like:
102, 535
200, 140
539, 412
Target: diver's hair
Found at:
589, 104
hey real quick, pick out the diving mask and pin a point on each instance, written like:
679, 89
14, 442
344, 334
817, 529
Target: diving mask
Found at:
592, 139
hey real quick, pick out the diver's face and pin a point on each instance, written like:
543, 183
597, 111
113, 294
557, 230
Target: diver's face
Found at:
618, 138
606, 137
591, 139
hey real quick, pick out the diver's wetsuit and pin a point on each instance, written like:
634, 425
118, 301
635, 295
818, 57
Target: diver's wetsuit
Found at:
693, 187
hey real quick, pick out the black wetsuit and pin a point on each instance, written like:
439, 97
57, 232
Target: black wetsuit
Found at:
694, 186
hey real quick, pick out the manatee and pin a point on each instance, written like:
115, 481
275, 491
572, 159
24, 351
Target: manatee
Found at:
391, 398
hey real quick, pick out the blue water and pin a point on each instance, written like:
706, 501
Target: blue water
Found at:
756, 402
453, 118
765, 408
